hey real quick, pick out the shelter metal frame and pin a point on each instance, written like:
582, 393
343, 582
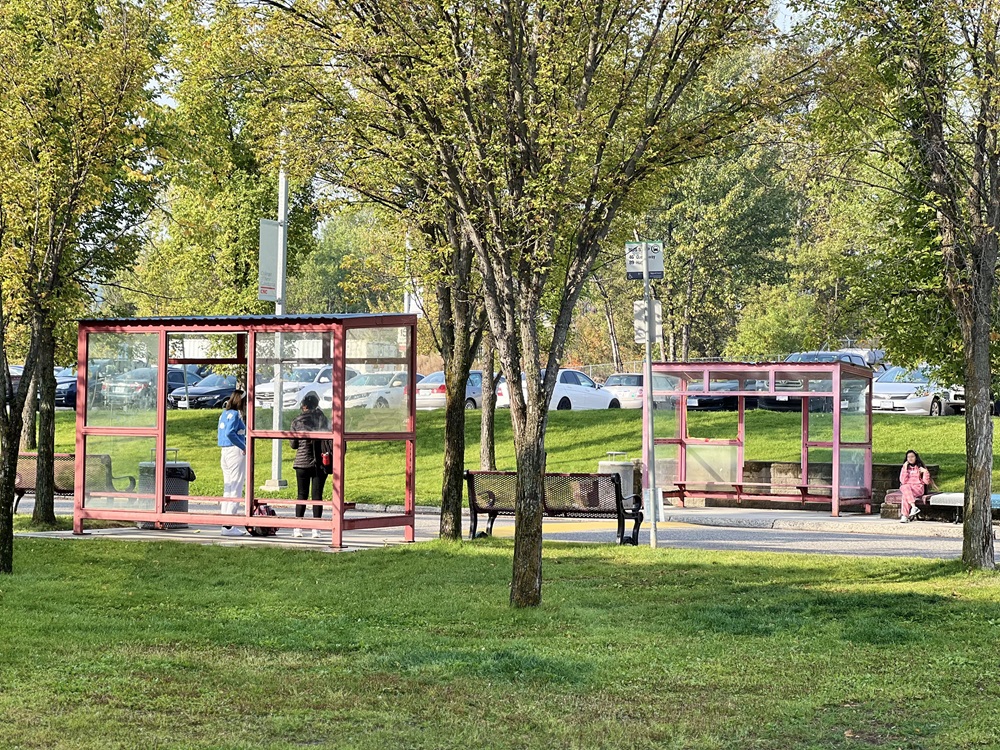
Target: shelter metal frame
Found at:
843, 387
248, 330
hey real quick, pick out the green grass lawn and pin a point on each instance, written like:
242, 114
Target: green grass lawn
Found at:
576, 441
124, 645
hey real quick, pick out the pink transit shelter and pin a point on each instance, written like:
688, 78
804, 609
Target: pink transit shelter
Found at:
128, 367
834, 465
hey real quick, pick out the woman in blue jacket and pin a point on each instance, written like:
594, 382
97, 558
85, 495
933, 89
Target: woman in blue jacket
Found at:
232, 441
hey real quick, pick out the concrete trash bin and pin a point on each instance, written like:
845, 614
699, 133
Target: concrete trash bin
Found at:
619, 464
179, 477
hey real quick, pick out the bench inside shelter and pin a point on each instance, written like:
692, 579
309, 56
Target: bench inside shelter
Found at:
98, 475
494, 493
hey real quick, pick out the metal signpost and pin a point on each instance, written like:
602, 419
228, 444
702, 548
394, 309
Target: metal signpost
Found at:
276, 247
644, 260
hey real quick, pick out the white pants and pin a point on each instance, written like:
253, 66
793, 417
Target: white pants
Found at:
234, 477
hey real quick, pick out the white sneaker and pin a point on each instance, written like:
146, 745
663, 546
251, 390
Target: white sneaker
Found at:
233, 531
315, 534
297, 532
904, 519
913, 511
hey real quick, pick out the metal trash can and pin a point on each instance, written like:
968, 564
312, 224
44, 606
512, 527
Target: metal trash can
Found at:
179, 478
619, 463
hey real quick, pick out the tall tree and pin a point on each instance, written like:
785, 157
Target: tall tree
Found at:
75, 113
914, 111
535, 123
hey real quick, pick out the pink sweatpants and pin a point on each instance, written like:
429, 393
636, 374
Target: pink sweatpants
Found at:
910, 493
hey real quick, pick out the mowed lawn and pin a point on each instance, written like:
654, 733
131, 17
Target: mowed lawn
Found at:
576, 441
145, 645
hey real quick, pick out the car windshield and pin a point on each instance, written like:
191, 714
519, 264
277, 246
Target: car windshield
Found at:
630, 381
433, 379
370, 379
303, 375
218, 381
65, 372
904, 375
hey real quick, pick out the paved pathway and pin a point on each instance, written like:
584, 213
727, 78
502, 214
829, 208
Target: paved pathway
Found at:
731, 529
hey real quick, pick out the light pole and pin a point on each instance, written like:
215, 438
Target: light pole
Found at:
276, 482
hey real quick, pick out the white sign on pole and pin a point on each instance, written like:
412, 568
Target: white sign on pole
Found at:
633, 259
639, 319
267, 276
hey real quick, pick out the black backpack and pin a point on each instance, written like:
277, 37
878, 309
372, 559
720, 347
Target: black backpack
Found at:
262, 509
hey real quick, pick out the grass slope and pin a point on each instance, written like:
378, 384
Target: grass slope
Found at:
575, 441
121, 645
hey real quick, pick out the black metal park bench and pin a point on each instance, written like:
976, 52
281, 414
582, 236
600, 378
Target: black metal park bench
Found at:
494, 494
99, 476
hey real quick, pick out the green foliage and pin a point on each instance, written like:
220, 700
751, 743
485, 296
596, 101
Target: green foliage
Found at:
724, 221
355, 267
204, 255
777, 321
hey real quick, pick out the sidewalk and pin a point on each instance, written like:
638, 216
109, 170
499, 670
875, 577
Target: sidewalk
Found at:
809, 520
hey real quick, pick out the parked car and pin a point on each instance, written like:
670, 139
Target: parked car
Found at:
210, 393
431, 391
137, 388
627, 388
305, 379
573, 390
786, 403
900, 390
374, 390
15, 379
720, 402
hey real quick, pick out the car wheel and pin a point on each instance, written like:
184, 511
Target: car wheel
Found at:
614, 404
564, 405
470, 403
935, 408
381, 404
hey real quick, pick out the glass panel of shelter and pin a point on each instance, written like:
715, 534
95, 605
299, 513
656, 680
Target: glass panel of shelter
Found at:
120, 472
288, 368
121, 379
377, 399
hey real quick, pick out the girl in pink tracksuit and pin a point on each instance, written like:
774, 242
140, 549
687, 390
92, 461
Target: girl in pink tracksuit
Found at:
913, 480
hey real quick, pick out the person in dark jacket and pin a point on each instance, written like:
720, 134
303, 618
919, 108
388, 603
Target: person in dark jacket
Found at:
308, 470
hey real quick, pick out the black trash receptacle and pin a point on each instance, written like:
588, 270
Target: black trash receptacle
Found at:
179, 478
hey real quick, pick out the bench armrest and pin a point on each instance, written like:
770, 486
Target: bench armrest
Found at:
131, 483
636, 501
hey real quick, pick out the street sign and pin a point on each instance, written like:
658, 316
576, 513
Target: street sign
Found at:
639, 319
267, 275
633, 259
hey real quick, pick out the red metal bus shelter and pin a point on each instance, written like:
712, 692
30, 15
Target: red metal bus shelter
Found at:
126, 437
835, 458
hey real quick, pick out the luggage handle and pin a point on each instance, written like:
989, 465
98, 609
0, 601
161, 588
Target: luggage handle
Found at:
175, 451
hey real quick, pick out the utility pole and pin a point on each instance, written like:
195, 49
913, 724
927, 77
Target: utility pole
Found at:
647, 378
276, 482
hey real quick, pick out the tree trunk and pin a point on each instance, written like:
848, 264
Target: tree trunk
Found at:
529, 445
44, 512
975, 322
609, 314
487, 427
454, 451
8, 472
29, 433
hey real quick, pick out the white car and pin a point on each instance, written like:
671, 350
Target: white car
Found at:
627, 388
903, 391
301, 381
372, 390
573, 390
